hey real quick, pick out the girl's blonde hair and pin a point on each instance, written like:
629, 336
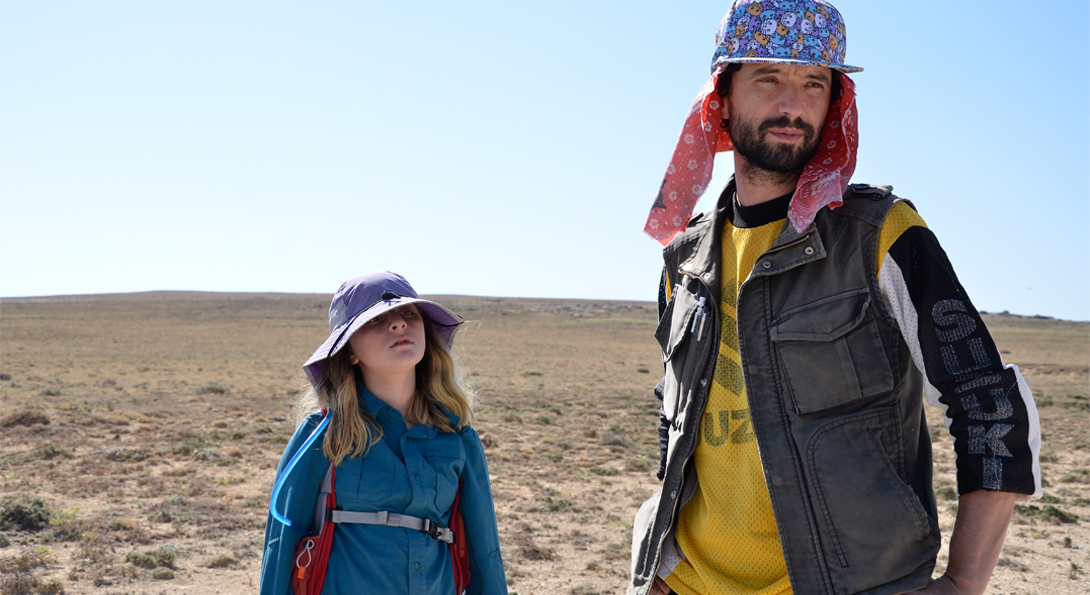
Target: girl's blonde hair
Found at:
352, 430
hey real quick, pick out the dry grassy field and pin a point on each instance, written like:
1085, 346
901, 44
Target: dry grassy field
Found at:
140, 434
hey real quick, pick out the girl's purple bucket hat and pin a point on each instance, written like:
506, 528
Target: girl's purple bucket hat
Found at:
803, 32
368, 296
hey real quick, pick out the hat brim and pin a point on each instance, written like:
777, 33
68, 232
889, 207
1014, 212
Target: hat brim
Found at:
445, 321
846, 69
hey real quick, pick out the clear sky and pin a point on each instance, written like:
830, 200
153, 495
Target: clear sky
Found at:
495, 148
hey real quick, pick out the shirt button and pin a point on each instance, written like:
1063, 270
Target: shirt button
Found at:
707, 276
673, 494
809, 250
766, 264
418, 567
777, 480
703, 382
416, 477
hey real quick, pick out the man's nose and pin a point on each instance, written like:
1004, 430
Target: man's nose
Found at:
791, 102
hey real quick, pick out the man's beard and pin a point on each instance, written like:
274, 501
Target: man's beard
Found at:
771, 156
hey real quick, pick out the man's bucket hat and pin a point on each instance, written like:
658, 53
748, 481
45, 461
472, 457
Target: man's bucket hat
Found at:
364, 298
804, 32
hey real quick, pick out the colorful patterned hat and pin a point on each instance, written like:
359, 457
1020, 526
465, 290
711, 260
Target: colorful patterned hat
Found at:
786, 31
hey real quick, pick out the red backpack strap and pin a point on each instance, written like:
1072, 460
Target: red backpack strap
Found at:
459, 550
312, 552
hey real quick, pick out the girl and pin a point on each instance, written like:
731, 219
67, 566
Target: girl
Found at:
399, 442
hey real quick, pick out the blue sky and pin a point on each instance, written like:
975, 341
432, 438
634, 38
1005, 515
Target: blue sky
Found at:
494, 148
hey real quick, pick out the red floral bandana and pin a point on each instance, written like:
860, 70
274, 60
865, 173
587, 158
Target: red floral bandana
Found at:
823, 181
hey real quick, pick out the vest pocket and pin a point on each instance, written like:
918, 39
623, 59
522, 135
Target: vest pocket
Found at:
672, 333
872, 518
831, 351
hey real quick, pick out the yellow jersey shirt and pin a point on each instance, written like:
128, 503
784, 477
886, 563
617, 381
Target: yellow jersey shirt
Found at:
726, 531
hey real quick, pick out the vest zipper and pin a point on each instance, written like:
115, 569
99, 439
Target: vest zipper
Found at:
786, 246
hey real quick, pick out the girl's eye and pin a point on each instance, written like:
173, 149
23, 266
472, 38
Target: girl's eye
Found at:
408, 313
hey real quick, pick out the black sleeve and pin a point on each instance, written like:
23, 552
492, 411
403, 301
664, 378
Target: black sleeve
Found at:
989, 408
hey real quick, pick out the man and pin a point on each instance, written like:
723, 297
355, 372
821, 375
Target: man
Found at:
803, 322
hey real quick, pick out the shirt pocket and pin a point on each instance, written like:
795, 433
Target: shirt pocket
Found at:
367, 482
673, 335
447, 468
832, 352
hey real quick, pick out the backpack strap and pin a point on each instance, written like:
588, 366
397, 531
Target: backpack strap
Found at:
320, 505
393, 519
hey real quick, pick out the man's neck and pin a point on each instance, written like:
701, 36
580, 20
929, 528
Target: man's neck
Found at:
755, 186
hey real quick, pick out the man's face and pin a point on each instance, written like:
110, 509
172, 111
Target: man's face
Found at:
776, 113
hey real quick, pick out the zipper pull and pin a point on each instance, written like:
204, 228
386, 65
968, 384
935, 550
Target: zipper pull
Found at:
698, 318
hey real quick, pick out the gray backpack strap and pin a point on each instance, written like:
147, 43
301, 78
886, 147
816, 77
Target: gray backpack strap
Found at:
393, 519
319, 506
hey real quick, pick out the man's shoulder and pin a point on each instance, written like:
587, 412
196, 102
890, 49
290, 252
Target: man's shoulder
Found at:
874, 192
869, 202
698, 226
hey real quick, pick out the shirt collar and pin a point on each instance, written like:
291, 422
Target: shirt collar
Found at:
376, 407
372, 404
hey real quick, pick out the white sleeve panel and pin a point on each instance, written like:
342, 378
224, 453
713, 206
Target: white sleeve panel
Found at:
895, 291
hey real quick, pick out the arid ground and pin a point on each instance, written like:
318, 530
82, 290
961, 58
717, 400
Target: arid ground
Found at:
140, 434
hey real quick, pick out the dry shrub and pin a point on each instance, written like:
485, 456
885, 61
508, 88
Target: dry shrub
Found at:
222, 561
213, 388
24, 417
24, 515
165, 557
178, 471
52, 586
209, 516
70, 530
17, 583
28, 560
529, 550
49, 452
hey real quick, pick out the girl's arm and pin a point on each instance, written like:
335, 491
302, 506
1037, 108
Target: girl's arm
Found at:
297, 499
479, 513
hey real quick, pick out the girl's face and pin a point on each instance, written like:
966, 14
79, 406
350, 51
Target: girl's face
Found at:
391, 343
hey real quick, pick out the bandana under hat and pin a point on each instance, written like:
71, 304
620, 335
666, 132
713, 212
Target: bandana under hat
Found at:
740, 36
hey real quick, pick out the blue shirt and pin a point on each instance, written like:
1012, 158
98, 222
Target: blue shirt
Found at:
411, 471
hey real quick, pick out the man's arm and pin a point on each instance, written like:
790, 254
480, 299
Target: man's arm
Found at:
981, 524
989, 408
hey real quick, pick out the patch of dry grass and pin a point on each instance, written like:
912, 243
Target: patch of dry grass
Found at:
152, 423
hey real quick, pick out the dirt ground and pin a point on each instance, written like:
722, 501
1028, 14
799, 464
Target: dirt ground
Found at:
139, 434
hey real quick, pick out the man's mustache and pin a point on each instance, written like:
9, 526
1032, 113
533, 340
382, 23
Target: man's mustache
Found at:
785, 122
